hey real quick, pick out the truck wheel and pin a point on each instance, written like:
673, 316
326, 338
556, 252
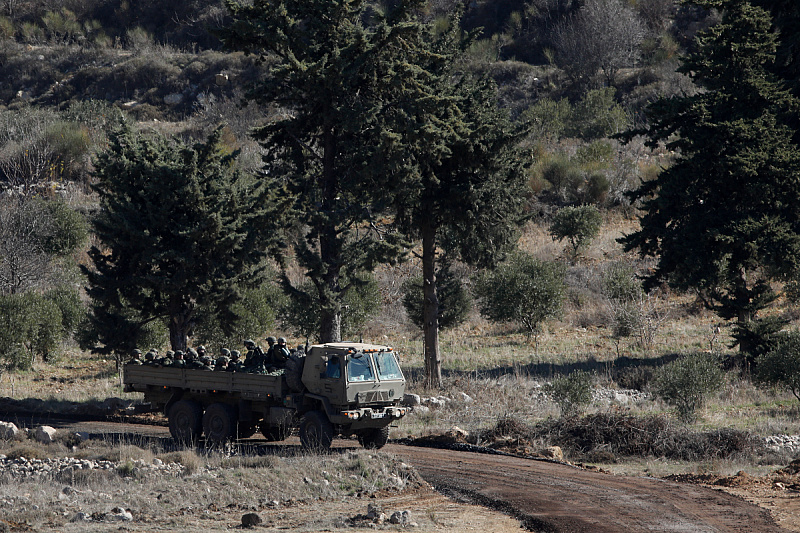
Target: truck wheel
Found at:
316, 431
185, 421
219, 423
275, 433
374, 438
294, 372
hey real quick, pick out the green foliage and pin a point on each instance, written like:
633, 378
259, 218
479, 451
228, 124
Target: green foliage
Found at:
32, 326
572, 393
454, 301
724, 218
780, 366
686, 383
580, 225
329, 156
548, 119
597, 115
758, 335
255, 314
68, 229
180, 229
624, 293
522, 290
302, 312
68, 301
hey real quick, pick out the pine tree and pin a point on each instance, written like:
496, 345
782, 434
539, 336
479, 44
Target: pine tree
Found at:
460, 181
337, 69
724, 219
179, 228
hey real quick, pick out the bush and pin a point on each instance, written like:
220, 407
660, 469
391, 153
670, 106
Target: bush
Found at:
31, 326
686, 383
572, 392
579, 225
523, 290
780, 366
454, 300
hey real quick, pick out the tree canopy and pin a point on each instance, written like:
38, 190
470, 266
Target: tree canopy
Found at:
337, 71
724, 219
180, 228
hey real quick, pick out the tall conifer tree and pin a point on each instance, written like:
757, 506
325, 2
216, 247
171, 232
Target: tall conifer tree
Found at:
336, 69
179, 228
724, 219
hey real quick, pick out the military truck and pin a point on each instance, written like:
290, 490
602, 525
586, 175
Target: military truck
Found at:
335, 389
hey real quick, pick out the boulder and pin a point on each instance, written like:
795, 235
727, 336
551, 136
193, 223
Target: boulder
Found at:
553, 452
411, 400
8, 430
45, 434
120, 514
250, 520
173, 99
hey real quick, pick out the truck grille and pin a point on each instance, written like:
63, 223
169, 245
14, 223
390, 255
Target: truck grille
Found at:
373, 396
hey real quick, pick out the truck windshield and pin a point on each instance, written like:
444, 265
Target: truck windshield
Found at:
387, 366
359, 369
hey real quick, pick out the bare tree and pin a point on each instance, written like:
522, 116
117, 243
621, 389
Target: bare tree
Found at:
604, 35
26, 156
24, 261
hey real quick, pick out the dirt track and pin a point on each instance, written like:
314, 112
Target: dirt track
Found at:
552, 497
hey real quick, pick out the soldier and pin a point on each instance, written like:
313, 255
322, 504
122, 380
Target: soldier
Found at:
271, 343
168, 360
206, 363
255, 360
136, 357
178, 361
222, 363
150, 359
280, 354
201, 351
235, 364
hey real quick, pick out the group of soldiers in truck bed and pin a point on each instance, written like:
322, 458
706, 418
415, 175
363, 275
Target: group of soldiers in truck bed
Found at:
256, 360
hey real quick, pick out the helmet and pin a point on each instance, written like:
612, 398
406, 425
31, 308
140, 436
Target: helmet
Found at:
226, 352
281, 340
192, 352
179, 352
201, 348
235, 354
222, 360
169, 353
137, 351
150, 356
250, 343
206, 360
271, 340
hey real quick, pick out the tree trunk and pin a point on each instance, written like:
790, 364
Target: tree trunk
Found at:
331, 317
433, 361
180, 324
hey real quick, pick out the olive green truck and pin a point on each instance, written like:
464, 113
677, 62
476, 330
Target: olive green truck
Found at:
334, 389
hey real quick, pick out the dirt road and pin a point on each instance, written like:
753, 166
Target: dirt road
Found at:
551, 497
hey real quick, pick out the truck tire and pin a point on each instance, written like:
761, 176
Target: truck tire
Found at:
294, 372
275, 433
185, 421
316, 431
219, 423
373, 438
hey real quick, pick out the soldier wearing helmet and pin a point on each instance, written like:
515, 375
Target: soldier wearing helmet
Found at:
136, 357
235, 365
280, 353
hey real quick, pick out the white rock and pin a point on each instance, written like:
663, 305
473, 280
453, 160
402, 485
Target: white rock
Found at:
8, 430
120, 514
464, 397
421, 409
411, 400
45, 434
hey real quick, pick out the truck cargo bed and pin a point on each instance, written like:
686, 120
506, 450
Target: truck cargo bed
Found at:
141, 378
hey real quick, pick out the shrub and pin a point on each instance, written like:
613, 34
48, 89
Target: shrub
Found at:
522, 290
454, 300
780, 366
686, 383
572, 392
579, 225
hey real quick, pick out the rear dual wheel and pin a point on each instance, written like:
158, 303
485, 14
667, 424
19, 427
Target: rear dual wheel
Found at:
186, 421
219, 423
